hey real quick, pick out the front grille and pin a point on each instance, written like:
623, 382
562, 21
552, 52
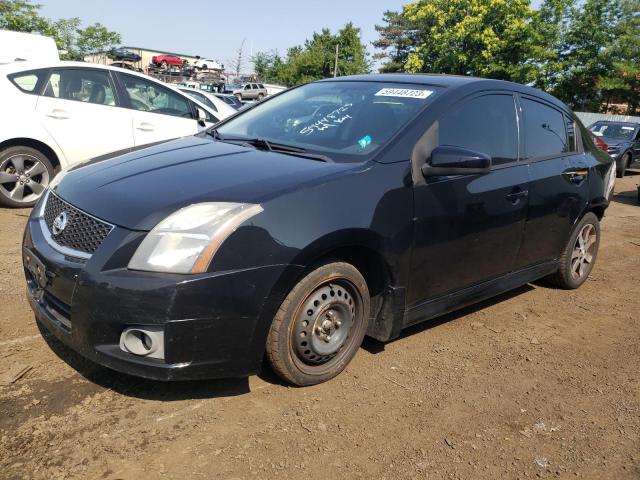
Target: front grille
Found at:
83, 232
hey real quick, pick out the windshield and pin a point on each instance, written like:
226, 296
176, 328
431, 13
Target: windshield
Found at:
619, 131
346, 121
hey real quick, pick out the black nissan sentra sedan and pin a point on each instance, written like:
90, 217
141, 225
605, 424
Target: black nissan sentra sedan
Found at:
342, 208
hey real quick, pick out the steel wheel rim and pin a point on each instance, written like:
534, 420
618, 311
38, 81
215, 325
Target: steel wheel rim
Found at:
324, 325
23, 178
583, 251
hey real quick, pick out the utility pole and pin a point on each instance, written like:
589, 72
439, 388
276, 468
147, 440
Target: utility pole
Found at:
335, 68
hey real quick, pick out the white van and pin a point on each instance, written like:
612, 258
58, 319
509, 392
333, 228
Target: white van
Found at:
17, 46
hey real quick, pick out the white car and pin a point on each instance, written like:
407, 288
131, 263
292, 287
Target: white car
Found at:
57, 114
207, 64
210, 100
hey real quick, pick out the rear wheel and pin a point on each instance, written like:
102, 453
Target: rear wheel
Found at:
260, 97
320, 325
579, 256
25, 174
164, 64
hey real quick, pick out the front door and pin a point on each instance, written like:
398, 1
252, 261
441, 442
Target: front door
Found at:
468, 228
81, 112
159, 113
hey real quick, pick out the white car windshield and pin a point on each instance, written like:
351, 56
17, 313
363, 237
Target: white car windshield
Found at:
344, 120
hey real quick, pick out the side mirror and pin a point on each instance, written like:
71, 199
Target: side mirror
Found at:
202, 117
450, 160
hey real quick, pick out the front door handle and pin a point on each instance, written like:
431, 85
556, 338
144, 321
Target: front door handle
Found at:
146, 127
515, 197
58, 114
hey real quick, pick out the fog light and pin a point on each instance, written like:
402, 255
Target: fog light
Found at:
145, 341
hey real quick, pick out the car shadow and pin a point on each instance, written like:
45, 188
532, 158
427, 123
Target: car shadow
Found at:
374, 346
140, 387
629, 197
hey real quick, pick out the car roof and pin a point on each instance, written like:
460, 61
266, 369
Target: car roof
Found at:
449, 82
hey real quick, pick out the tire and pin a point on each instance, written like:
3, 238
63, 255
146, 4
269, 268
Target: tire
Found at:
239, 96
260, 97
164, 64
204, 67
22, 169
320, 325
576, 265
622, 164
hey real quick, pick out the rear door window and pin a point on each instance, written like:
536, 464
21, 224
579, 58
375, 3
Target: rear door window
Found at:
484, 124
544, 130
81, 85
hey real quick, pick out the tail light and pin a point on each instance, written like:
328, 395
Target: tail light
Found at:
600, 144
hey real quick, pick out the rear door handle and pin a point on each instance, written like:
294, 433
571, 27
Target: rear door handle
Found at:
515, 197
577, 176
58, 114
146, 127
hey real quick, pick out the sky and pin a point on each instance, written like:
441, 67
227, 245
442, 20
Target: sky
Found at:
216, 29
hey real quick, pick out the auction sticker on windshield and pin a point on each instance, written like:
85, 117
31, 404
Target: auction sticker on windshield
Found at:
404, 93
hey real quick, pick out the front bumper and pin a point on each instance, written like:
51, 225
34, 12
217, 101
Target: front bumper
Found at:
215, 324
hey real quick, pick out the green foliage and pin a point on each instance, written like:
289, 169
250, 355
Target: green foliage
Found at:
73, 41
586, 52
316, 58
22, 16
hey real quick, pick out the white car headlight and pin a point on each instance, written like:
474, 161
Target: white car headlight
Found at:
187, 240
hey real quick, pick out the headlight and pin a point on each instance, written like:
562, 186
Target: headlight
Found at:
187, 240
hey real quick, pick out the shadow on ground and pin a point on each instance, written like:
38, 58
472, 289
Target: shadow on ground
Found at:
373, 346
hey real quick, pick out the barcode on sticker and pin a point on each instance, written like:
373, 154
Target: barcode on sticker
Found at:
404, 93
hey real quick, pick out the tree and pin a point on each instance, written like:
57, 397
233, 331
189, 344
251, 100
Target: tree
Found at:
268, 66
395, 42
66, 34
238, 62
622, 83
96, 38
490, 38
22, 16
316, 58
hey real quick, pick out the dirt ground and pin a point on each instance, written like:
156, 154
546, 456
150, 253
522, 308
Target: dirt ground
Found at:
536, 383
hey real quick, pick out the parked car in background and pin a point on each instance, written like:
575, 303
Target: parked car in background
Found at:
124, 54
622, 140
222, 109
165, 61
250, 91
345, 207
58, 114
206, 64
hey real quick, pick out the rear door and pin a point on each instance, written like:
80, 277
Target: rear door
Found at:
159, 113
468, 228
559, 186
81, 111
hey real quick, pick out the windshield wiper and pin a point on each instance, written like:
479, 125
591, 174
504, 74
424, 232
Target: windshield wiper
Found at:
264, 144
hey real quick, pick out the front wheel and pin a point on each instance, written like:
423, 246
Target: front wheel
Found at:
579, 255
24, 174
622, 164
320, 325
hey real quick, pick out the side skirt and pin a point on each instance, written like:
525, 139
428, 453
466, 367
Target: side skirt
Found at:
470, 295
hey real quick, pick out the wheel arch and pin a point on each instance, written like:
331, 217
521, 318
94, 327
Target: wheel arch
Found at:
42, 147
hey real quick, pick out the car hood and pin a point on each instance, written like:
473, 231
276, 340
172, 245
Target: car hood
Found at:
139, 189
614, 142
